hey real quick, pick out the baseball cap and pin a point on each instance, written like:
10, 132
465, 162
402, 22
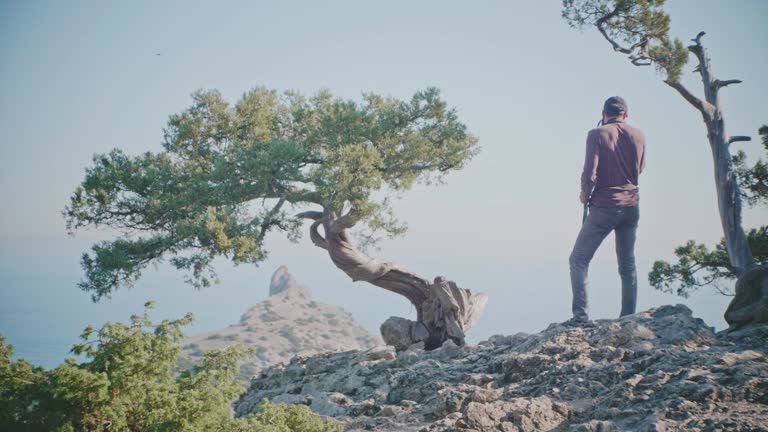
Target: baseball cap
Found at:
615, 105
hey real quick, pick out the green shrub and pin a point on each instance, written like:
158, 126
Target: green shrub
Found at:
284, 418
288, 333
270, 316
127, 383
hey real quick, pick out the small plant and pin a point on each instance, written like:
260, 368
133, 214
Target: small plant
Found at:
288, 333
289, 418
270, 316
262, 353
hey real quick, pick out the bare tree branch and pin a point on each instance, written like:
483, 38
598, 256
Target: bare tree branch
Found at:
720, 84
698, 37
269, 217
346, 221
737, 138
600, 26
697, 103
723, 291
317, 239
314, 215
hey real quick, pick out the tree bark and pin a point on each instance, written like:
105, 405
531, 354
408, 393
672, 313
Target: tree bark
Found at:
751, 279
443, 310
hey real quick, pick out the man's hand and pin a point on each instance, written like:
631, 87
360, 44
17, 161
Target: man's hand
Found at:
584, 198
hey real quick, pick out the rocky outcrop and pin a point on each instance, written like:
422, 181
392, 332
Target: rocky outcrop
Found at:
287, 324
659, 370
282, 281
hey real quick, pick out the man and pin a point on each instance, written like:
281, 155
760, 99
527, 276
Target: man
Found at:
609, 186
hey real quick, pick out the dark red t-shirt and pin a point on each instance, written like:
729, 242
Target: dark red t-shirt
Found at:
614, 160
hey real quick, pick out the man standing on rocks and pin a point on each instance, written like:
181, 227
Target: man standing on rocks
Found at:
609, 186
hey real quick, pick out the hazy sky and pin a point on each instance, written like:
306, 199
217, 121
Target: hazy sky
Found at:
79, 78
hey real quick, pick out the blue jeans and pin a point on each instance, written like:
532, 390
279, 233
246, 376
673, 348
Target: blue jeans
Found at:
600, 222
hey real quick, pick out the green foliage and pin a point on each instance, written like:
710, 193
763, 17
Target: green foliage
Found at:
753, 181
697, 266
285, 418
127, 384
226, 173
288, 333
669, 57
641, 25
270, 316
627, 21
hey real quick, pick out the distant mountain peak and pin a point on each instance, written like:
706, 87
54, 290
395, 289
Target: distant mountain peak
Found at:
282, 280
286, 324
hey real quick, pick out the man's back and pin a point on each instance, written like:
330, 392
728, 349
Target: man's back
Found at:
615, 159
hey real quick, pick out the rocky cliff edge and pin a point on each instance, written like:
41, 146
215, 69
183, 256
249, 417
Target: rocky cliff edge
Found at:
659, 370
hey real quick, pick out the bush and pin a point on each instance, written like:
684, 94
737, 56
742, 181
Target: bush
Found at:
127, 383
287, 332
284, 418
270, 316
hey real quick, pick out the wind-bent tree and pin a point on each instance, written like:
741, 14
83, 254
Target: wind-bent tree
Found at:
227, 174
640, 29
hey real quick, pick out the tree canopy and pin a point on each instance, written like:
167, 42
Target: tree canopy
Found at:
227, 173
638, 28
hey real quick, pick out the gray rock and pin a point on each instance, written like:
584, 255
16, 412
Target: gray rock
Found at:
402, 333
660, 369
282, 281
380, 353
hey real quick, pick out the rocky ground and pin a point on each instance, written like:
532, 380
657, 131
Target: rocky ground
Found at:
660, 370
289, 323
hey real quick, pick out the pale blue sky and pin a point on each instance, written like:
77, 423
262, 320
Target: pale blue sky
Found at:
80, 78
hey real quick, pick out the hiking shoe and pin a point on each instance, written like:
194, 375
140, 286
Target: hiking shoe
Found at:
579, 322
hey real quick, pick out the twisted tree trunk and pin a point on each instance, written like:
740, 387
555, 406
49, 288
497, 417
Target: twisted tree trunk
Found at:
443, 310
750, 303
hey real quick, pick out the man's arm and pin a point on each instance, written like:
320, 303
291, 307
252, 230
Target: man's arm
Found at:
589, 173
